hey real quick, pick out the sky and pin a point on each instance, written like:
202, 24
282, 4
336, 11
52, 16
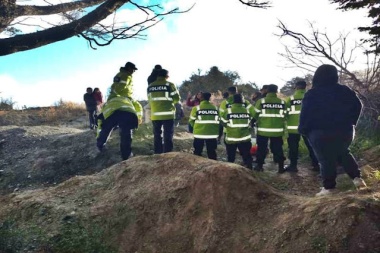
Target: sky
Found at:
230, 36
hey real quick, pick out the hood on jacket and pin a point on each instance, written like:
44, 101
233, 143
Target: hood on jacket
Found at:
325, 75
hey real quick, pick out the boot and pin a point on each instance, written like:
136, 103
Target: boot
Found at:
281, 167
291, 168
258, 167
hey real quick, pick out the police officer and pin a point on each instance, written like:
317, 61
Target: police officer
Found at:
204, 118
163, 96
236, 119
122, 82
270, 118
293, 107
226, 103
123, 112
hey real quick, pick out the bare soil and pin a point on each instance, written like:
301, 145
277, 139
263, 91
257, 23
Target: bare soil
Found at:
53, 177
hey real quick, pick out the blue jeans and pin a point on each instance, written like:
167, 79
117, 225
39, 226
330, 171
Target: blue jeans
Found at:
331, 147
168, 126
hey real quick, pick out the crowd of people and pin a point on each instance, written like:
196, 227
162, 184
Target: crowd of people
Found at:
324, 117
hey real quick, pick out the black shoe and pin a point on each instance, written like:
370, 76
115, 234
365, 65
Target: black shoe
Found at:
291, 168
258, 167
281, 167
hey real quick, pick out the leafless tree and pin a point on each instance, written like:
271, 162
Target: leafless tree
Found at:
79, 18
256, 4
310, 51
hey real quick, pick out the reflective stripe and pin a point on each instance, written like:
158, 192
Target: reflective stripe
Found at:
231, 123
271, 115
163, 113
122, 81
124, 106
274, 130
224, 120
293, 127
166, 98
248, 106
237, 125
257, 110
248, 137
173, 93
161, 99
206, 136
191, 117
207, 121
294, 112
221, 110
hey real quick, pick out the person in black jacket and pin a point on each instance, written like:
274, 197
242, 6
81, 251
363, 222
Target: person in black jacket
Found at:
328, 117
91, 107
154, 74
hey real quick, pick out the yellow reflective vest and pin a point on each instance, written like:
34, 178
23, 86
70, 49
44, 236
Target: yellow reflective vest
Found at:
270, 116
204, 118
162, 96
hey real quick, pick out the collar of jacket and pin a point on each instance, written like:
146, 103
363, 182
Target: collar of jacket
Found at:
205, 102
237, 105
271, 95
300, 91
160, 78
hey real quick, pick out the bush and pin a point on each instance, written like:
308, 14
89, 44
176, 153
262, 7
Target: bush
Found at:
6, 104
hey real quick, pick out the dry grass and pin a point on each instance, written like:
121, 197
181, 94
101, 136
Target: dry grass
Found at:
54, 115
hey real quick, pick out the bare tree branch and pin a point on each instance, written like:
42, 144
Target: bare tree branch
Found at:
256, 4
88, 26
311, 51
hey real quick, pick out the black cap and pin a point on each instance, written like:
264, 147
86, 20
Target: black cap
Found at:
265, 87
130, 65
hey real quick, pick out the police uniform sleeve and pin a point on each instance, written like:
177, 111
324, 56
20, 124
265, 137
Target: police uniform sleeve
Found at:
223, 118
138, 109
222, 108
256, 110
174, 93
193, 116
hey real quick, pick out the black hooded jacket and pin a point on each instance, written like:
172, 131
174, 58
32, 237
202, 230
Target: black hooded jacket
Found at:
329, 105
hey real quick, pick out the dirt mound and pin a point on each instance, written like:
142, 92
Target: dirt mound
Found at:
178, 202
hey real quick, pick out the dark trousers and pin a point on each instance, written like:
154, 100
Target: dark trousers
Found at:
220, 131
126, 121
168, 126
244, 149
262, 148
190, 128
211, 145
293, 144
92, 118
330, 147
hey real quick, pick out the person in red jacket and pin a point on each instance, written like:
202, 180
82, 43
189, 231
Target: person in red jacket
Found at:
193, 102
98, 98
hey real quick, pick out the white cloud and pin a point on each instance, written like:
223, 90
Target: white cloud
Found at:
226, 34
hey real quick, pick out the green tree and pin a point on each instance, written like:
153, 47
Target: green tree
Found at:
212, 81
247, 89
288, 88
373, 12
